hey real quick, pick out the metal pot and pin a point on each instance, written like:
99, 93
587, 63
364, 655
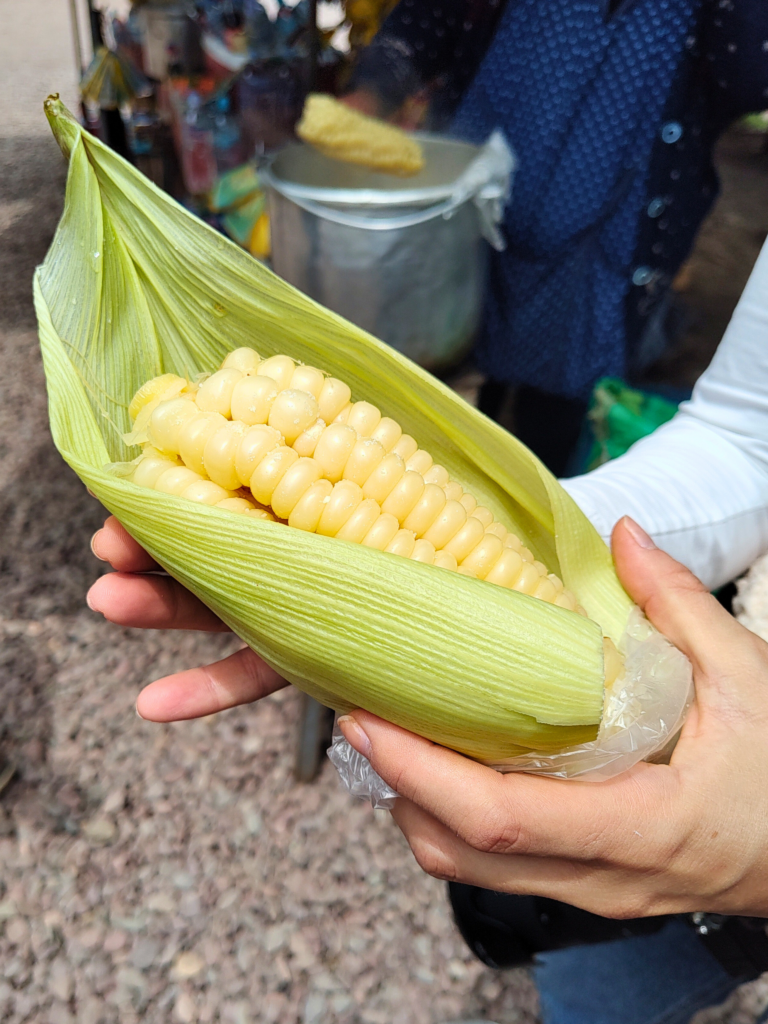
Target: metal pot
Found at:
403, 258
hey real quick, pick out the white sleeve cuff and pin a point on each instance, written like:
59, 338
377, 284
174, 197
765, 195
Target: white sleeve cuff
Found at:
701, 498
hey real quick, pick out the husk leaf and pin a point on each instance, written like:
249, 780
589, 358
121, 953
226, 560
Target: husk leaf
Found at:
134, 286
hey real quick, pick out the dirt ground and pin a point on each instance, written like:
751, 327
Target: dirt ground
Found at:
178, 873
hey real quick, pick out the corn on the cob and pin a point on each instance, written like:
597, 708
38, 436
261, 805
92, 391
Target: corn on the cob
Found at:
345, 134
322, 463
479, 668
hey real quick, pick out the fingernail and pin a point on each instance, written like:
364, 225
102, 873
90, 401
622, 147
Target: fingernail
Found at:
93, 547
355, 736
639, 535
89, 601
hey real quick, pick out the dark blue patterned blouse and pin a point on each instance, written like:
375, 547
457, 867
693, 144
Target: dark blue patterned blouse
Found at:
613, 109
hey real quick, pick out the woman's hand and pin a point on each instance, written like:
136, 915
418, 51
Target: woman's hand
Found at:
692, 835
136, 595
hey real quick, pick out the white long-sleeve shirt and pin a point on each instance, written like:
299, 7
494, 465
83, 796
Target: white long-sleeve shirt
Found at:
699, 484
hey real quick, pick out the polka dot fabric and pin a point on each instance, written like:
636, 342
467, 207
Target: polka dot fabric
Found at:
614, 107
580, 97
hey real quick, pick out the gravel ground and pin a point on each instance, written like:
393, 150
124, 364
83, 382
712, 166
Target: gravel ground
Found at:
171, 873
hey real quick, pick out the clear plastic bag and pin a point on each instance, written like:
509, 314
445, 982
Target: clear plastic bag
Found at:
357, 774
488, 179
644, 712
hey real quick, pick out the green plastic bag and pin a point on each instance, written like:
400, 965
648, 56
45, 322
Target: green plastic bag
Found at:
619, 415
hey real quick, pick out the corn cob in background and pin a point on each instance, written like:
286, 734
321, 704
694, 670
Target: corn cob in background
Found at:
346, 134
137, 300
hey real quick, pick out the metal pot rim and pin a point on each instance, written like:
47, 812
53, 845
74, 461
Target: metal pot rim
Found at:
424, 195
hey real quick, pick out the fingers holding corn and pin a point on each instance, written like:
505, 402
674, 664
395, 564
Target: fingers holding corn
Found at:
280, 440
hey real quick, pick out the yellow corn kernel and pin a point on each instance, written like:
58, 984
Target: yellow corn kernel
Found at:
292, 413
176, 479
215, 393
384, 478
306, 443
437, 475
194, 435
498, 530
279, 368
484, 555
363, 459
334, 396
260, 513
270, 471
252, 398
445, 560
254, 445
545, 590
307, 511
387, 433
343, 416
454, 492
364, 418
402, 499
484, 515
466, 539
220, 455
566, 600
528, 580
160, 387
446, 524
246, 360
360, 522
166, 422
419, 462
149, 468
344, 499
333, 449
506, 570
405, 447
469, 503
308, 378
426, 509
382, 533
556, 582
402, 543
293, 486
206, 492
237, 505
423, 551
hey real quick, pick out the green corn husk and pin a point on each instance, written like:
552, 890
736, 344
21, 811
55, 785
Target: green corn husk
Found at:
134, 286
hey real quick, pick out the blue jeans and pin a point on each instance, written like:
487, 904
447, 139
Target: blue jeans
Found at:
652, 979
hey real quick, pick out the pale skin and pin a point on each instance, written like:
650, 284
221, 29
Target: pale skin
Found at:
660, 839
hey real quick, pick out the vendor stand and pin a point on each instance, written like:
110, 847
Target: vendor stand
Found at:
191, 90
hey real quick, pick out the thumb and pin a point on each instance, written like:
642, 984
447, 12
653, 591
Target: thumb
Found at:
674, 600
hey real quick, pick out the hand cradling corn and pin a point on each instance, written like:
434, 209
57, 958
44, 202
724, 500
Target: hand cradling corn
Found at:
282, 441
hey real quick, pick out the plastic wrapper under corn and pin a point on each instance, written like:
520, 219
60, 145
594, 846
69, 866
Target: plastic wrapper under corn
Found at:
134, 286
